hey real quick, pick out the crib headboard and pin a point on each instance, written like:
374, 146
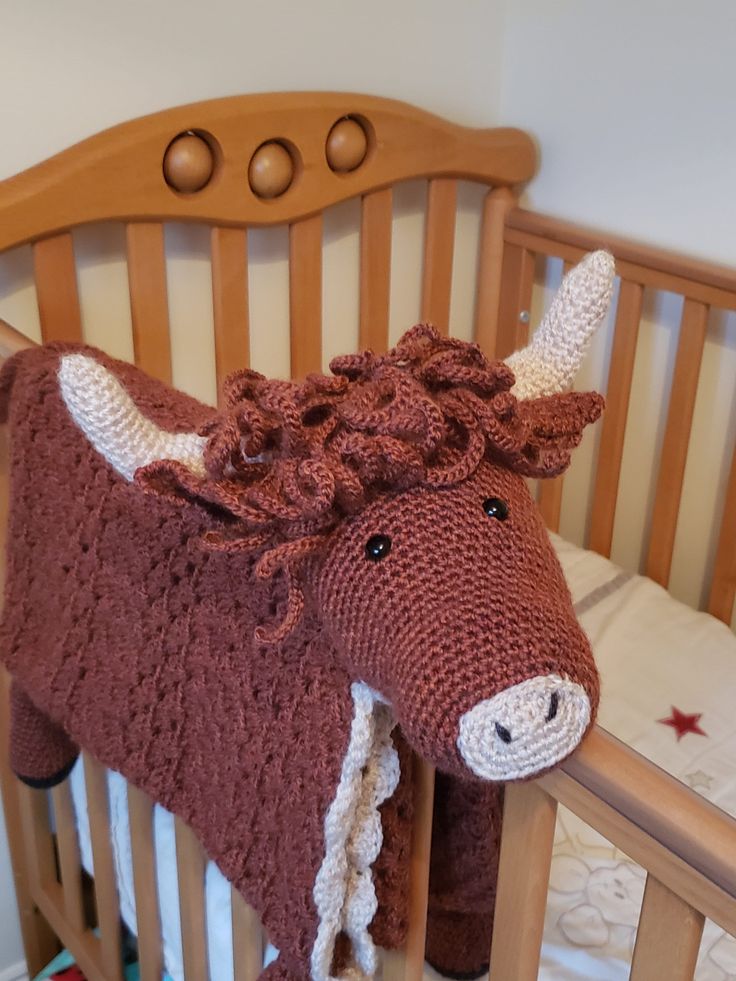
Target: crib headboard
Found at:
253, 161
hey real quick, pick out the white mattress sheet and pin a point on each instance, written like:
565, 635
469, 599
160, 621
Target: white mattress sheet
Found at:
657, 658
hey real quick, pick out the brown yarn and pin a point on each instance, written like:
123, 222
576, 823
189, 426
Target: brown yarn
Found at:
127, 637
288, 461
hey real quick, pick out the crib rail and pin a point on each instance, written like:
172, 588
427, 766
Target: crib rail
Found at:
686, 845
659, 268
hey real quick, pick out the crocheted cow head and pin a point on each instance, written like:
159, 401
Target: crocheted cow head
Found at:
391, 500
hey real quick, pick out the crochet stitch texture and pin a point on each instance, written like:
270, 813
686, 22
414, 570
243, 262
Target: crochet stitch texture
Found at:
213, 634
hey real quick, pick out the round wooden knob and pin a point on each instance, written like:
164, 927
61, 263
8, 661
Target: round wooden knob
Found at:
271, 170
188, 163
346, 146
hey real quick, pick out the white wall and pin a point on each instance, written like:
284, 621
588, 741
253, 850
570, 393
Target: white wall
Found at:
69, 69
78, 66
632, 103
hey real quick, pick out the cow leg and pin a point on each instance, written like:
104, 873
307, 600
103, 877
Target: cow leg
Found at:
462, 886
458, 944
41, 753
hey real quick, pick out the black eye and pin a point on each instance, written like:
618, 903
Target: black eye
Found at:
496, 508
377, 547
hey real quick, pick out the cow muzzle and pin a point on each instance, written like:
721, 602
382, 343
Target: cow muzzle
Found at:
524, 729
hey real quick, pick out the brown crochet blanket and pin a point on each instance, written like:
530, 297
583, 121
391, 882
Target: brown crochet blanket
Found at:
253, 630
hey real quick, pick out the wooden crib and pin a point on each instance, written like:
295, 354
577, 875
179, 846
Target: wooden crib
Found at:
285, 159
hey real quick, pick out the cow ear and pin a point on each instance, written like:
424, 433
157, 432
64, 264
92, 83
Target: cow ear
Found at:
176, 484
114, 425
553, 427
550, 362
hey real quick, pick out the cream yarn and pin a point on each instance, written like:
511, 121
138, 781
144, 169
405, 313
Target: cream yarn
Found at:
552, 359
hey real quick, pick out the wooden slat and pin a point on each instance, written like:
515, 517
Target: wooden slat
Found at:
693, 325
230, 300
12, 341
613, 427
305, 295
523, 876
723, 585
408, 964
439, 246
247, 939
55, 273
39, 842
550, 502
106, 894
517, 283
140, 813
496, 206
149, 303
191, 863
40, 859
375, 269
70, 864
668, 938
86, 946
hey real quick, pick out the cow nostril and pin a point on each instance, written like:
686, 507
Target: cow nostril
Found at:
503, 733
554, 702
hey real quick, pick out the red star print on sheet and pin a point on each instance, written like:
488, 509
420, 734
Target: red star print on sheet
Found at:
683, 723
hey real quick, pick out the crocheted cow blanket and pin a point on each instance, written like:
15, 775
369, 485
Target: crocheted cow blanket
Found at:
253, 613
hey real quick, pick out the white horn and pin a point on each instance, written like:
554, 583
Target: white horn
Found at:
552, 359
112, 422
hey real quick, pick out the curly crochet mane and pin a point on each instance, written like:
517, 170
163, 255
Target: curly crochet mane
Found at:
287, 461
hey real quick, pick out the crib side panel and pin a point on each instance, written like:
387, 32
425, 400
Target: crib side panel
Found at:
679, 839
613, 427
48, 920
658, 504
40, 942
